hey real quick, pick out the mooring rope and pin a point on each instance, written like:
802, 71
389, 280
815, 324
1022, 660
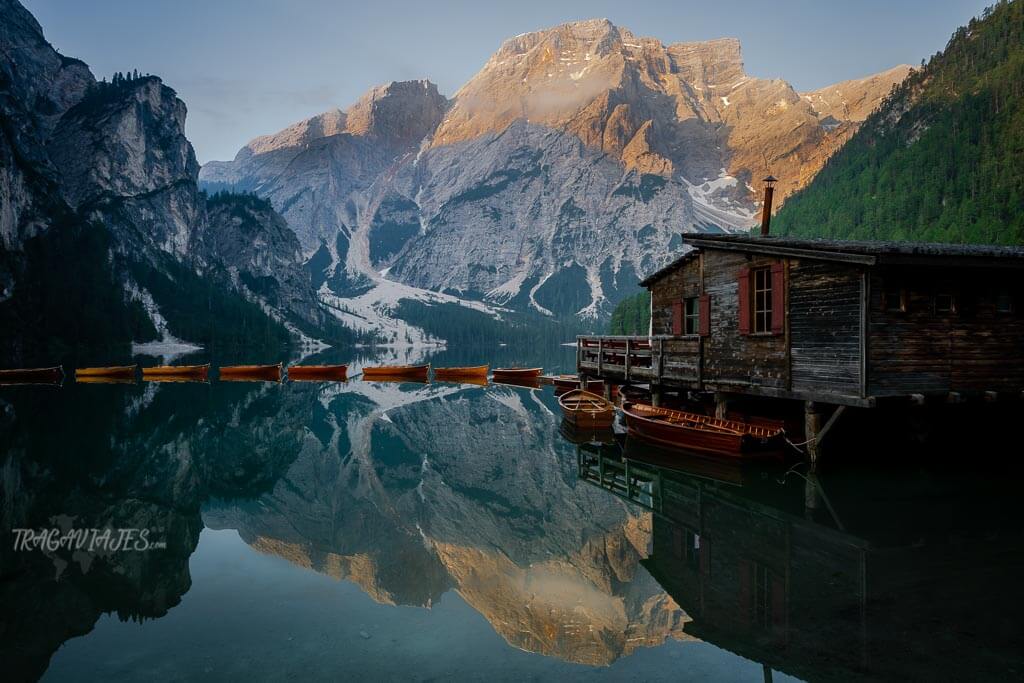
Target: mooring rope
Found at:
797, 446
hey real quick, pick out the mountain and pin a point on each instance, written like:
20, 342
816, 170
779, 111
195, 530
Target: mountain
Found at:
942, 159
378, 496
105, 236
566, 167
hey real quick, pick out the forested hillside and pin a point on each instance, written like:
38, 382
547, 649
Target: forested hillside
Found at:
632, 315
942, 159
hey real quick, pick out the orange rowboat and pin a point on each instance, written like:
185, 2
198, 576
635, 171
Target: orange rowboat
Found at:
461, 374
176, 373
317, 373
587, 410
32, 375
251, 373
391, 372
122, 372
694, 432
517, 373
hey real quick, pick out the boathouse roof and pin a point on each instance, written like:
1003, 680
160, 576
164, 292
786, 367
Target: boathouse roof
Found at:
843, 251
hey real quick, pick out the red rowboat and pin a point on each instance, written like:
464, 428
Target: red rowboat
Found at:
694, 432
318, 373
391, 372
517, 373
32, 375
251, 373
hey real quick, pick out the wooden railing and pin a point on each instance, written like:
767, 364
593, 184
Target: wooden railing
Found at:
641, 359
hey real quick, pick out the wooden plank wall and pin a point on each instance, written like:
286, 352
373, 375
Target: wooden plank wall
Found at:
675, 286
974, 349
730, 358
825, 327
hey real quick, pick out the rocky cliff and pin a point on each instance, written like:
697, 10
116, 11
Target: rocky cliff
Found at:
103, 227
566, 167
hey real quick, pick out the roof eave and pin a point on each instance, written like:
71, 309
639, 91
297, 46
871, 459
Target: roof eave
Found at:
776, 250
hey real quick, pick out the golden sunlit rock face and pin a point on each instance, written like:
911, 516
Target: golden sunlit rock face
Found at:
686, 108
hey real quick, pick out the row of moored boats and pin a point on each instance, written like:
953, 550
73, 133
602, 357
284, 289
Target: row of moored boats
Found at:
268, 373
675, 429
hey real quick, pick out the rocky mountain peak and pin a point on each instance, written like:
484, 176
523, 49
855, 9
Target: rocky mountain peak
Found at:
401, 112
566, 166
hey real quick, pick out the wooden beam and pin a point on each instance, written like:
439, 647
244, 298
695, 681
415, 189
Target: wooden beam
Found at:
991, 396
954, 397
831, 421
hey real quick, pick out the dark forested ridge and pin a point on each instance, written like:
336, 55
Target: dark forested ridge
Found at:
942, 159
632, 315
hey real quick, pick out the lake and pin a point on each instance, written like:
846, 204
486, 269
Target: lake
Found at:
445, 531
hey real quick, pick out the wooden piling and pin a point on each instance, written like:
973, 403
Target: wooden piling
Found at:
812, 428
721, 405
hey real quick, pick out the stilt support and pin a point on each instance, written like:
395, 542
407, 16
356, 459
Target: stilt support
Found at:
721, 405
812, 429
655, 395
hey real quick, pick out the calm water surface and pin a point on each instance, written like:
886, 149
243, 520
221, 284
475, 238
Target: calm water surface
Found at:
444, 531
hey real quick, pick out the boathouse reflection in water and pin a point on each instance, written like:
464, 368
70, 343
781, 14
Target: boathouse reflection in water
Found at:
886, 593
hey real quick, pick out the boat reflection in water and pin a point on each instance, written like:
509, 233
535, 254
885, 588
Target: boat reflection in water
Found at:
897, 576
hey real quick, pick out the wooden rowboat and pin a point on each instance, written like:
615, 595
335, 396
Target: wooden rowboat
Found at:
87, 379
694, 432
123, 372
317, 373
566, 381
176, 373
251, 373
528, 382
460, 374
399, 379
397, 371
517, 373
587, 410
52, 375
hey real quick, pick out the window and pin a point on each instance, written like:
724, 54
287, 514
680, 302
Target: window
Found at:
691, 315
762, 300
945, 303
1004, 302
894, 298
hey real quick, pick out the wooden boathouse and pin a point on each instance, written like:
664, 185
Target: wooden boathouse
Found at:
826, 322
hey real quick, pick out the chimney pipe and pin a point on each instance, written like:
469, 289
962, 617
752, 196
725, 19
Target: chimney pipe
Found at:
766, 214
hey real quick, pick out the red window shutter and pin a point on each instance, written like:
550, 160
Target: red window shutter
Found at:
677, 318
704, 329
744, 307
778, 298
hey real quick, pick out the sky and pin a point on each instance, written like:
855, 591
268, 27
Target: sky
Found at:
251, 67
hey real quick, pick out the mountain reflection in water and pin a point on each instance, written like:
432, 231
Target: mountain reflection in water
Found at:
436, 495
